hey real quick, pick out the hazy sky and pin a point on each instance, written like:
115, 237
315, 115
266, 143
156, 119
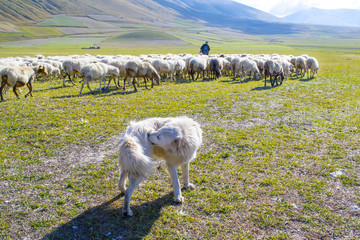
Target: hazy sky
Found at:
282, 8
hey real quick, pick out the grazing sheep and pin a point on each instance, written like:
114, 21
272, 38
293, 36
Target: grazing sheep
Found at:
94, 71
72, 67
214, 67
197, 65
120, 64
235, 66
273, 69
17, 77
147, 71
287, 68
52, 71
164, 67
249, 67
131, 69
260, 64
225, 66
313, 65
300, 66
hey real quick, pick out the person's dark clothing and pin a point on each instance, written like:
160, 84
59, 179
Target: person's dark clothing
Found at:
205, 49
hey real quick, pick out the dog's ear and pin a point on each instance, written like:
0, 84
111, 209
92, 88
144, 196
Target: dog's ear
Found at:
176, 143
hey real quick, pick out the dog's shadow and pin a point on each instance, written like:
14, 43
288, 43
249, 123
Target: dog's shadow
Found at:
106, 222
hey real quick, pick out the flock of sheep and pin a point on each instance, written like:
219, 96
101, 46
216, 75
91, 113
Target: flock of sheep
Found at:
21, 71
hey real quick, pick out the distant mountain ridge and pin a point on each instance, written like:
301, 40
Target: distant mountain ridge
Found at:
225, 13
329, 17
221, 14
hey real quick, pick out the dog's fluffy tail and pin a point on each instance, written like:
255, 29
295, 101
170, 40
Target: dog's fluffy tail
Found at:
132, 158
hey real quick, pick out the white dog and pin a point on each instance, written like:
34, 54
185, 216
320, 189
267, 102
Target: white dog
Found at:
175, 140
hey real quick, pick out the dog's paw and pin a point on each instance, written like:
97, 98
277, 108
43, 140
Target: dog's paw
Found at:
128, 213
190, 186
122, 189
179, 199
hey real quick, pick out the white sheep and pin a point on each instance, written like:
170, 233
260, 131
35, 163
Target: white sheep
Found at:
147, 71
274, 69
215, 67
18, 76
131, 69
287, 67
249, 68
96, 71
236, 66
312, 66
197, 65
164, 67
300, 66
72, 67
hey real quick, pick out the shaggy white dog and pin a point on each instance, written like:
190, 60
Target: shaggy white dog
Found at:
175, 140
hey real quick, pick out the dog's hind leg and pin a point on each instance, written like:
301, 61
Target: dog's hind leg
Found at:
185, 176
122, 181
133, 184
176, 184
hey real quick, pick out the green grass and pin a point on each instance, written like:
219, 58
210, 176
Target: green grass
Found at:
42, 31
61, 21
29, 33
143, 35
263, 170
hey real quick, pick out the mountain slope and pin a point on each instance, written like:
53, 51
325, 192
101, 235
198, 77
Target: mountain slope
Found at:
230, 14
31, 11
211, 9
337, 17
224, 14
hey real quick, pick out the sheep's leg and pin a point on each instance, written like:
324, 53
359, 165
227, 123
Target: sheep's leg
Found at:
125, 79
14, 90
152, 82
82, 86
101, 80
64, 79
265, 74
72, 80
197, 76
145, 83
117, 83
88, 85
3, 83
133, 82
29, 85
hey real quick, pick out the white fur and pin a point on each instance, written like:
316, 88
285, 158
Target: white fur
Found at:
175, 140
312, 66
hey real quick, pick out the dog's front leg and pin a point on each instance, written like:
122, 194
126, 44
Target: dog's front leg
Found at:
133, 183
185, 176
175, 183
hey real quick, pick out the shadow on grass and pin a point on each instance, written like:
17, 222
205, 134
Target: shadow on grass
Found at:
261, 88
107, 222
306, 79
47, 89
104, 93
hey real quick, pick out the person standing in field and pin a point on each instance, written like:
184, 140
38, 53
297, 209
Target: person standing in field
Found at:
205, 48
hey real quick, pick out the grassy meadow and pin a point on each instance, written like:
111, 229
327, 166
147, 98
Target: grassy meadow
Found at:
262, 172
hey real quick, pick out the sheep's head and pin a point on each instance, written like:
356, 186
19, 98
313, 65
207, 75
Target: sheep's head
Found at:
257, 74
291, 68
41, 70
156, 77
